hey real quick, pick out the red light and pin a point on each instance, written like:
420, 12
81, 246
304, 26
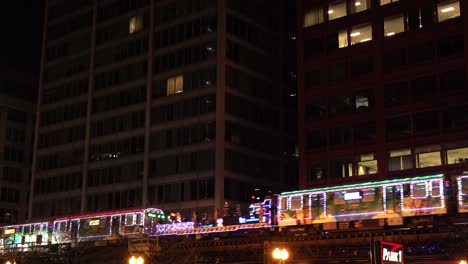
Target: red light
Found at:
253, 196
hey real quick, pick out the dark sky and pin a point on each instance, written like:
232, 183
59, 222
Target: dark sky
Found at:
21, 36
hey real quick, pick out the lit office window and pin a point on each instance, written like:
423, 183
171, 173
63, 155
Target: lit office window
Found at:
359, 5
361, 33
400, 160
135, 24
447, 10
384, 2
313, 17
343, 38
457, 153
394, 25
175, 85
336, 10
428, 156
366, 164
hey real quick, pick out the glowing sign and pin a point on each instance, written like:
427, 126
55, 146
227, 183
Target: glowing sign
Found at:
152, 215
353, 196
391, 253
94, 222
10, 231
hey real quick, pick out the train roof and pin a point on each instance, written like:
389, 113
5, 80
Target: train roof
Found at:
135, 210
365, 184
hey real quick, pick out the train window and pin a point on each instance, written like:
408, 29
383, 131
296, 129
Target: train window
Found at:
368, 195
338, 198
296, 202
435, 188
419, 190
27, 230
138, 219
129, 220
284, 203
464, 186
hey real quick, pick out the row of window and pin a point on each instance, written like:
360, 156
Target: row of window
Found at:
184, 32
56, 207
64, 91
12, 174
122, 28
253, 60
251, 85
269, 17
114, 200
337, 9
116, 149
124, 98
61, 136
185, 109
112, 175
8, 216
184, 57
66, 69
9, 195
73, 24
247, 110
117, 124
395, 128
117, 8
126, 73
17, 116
239, 191
253, 138
131, 48
61, 8
13, 154
182, 163
397, 160
15, 135
63, 114
183, 136
60, 160
68, 47
60, 183
340, 104
249, 165
253, 34
187, 81
183, 191
168, 12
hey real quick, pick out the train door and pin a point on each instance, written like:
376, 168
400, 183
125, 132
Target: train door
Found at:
74, 229
115, 225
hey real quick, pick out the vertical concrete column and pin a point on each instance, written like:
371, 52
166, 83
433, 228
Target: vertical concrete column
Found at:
92, 51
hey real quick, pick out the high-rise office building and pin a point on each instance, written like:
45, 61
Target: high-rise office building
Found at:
172, 104
16, 137
382, 89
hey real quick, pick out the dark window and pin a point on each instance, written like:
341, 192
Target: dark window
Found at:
313, 47
312, 78
340, 104
456, 117
365, 132
453, 81
396, 93
426, 121
421, 52
451, 45
316, 139
340, 136
318, 171
362, 65
420, 18
337, 72
341, 168
316, 108
424, 86
394, 58
398, 127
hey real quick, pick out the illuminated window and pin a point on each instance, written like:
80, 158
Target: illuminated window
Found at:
135, 24
359, 5
394, 25
428, 156
457, 153
342, 38
400, 160
336, 10
313, 17
384, 2
366, 164
296, 202
448, 10
175, 85
361, 33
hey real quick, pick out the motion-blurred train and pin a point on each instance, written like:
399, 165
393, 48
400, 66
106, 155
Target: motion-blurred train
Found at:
388, 201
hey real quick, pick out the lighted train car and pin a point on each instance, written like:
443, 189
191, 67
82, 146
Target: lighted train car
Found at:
462, 193
24, 235
106, 225
391, 199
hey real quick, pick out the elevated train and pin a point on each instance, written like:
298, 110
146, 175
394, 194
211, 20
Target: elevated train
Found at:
391, 201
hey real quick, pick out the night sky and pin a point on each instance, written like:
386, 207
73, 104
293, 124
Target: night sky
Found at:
21, 36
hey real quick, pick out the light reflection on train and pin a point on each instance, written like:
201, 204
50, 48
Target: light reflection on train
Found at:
392, 200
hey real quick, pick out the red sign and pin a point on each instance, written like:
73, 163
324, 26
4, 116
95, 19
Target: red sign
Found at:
391, 253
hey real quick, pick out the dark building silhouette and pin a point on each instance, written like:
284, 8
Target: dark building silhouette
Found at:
382, 89
173, 104
16, 135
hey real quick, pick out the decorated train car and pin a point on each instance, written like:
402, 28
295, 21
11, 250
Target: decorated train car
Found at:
388, 199
462, 193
